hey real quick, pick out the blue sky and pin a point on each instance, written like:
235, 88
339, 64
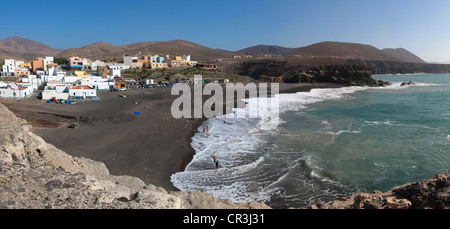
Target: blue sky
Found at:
419, 26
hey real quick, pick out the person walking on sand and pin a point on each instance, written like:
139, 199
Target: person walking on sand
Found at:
216, 162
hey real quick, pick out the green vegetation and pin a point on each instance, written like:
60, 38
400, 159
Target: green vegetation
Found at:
181, 73
61, 61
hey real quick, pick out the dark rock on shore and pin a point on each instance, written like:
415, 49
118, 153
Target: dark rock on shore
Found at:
433, 193
347, 75
407, 83
300, 71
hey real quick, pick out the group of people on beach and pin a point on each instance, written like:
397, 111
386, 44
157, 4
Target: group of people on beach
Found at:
216, 162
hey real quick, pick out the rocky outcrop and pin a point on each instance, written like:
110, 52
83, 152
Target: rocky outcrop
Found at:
408, 83
433, 193
35, 174
347, 75
312, 70
392, 67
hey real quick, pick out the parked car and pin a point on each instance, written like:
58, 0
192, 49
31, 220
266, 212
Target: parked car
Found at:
122, 89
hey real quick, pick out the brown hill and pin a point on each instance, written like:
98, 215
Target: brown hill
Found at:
343, 50
403, 55
21, 48
98, 50
182, 47
102, 50
261, 50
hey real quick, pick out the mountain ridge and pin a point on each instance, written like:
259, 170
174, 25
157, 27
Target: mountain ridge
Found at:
22, 48
343, 50
403, 54
261, 50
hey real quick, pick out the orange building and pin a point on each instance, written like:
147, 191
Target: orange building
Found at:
144, 60
21, 72
37, 64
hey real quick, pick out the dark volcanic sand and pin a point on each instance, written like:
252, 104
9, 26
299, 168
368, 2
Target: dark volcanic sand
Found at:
152, 145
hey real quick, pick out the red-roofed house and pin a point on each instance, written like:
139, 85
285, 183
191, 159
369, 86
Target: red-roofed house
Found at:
82, 91
16, 91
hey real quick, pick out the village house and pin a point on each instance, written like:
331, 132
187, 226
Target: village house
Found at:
21, 72
98, 83
81, 74
26, 65
70, 79
35, 82
82, 92
9, 68
58, 91
76, 62
158, 65
132, 62
37, 64
15, 91
120, 84
116, 69
97, 63
207, 65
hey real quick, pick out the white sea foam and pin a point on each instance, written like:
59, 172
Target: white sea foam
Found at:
344, 131
236, 141
378, 123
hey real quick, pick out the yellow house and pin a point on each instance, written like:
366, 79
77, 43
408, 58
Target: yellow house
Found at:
159, 65
25, 65
81, 74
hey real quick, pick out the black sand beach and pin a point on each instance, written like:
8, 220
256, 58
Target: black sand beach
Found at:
151, 145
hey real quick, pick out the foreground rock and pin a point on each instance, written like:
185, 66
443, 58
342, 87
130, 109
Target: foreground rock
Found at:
426, 194
35, 174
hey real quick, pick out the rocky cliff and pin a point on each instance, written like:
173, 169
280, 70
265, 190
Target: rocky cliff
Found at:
395, 67
306, 70
426, 194
35, 174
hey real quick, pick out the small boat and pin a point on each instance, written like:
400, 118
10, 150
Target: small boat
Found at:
122, 95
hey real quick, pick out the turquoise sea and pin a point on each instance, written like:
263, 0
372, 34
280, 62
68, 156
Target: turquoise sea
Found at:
330, 143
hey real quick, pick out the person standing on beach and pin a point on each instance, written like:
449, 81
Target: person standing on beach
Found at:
216, 162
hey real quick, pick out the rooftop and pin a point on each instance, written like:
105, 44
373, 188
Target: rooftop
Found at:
84, 87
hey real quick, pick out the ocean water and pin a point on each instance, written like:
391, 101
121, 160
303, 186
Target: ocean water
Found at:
329, 143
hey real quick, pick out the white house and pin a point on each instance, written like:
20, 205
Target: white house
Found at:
116, 70
50, 59
98, 83
55, 93
97, 63
33, 80
9, 67
19, 62
70, 79
186, 57
15, 91
82, 91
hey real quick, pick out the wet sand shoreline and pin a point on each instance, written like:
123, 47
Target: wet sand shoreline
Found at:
151, 145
